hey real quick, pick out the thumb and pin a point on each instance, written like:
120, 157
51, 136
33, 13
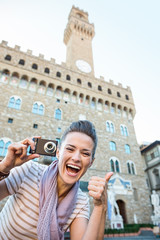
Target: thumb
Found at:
108, 176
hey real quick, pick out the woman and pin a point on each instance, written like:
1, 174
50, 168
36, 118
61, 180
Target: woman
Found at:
46, 201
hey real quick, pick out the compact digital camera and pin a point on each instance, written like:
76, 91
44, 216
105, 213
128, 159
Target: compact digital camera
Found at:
45, 147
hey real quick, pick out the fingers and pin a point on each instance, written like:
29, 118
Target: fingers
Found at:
32, 156
98, 188
29, 141
108, 176
20, 149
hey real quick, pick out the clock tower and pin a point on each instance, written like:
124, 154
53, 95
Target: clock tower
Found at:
78, 37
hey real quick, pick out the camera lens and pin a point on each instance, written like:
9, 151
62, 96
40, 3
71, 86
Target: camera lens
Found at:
50, 147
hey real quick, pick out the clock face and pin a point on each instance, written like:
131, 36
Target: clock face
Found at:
83, 66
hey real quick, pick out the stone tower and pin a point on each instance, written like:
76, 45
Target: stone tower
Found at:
41, 97
78, 37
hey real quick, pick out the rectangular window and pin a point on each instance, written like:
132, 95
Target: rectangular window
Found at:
148, 157
156, 153
152, 155
35, 125
10, 120
59, 129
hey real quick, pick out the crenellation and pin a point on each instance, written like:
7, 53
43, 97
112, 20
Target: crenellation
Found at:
4, 43
29, 52
44, 63
52, 60
120, 85
17, 48
102, 78
111, 81
41, 56
63, 64
81, 10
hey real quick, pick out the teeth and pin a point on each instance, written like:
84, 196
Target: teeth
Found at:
73, 166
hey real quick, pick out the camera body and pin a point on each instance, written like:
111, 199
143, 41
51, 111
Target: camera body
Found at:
45, 147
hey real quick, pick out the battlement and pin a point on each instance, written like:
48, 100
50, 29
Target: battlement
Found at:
41, 60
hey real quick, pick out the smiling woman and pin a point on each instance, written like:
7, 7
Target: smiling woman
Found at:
48, 200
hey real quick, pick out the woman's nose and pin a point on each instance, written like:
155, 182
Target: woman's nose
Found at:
76, 156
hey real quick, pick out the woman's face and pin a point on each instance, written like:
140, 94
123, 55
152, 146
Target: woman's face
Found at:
75, 156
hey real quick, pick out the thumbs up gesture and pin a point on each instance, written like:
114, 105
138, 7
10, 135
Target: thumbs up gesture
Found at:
98, 189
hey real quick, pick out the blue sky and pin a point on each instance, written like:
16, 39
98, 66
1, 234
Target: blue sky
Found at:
126, 46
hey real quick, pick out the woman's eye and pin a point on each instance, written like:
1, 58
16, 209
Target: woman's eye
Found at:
86, 154
69, 149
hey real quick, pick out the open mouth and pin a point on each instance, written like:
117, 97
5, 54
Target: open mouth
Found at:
72, 169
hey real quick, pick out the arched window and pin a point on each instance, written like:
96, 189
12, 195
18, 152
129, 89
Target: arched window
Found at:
66, 95
4, 77
35, 66
127, 97
99, 88
68, 77
119, 110
112, 146
118, 94
14, 102
87, 100
110, 127
131, 167
58, 114
112, 165
23, 82
79, 81
106, 106
113, 108
81, 98
74, 97
109, 91
127, 149
124, 130
4, 144
125, 112
58, 74
93, 103
59, 92
42, 87
8, 57
21, 62
35, 108
33, 85
90, 84
46, 70
38, 108
100, 104
50, 89
115, 165
41, 109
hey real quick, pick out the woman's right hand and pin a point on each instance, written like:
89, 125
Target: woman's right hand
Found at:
17, 154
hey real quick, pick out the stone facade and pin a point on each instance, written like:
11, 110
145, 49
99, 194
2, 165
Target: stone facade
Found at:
65, 93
